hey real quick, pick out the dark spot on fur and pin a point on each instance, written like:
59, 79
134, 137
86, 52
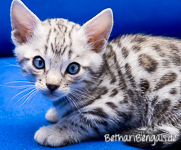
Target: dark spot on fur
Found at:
166, 62
107, 67
136, 48
144, 85
121, 80
101, 122
125, 52
139, 39
98, 112
23, 60
64, 50
131, 95
111, 105
113, 93
175, 58
24, 71
96, 130
158, 49
101, 91
52, 48
64, 127
146, 107
49, 22
113, 80
148, 63
48, 37
45, 141
129, 75
165, 80
174, 48
161, 107
70, 54
162, 54
173, 91
127, 117
88, 82
125, 100
46, 48
154, 100
90, 102
119, 44
84, 129
66, 143
177, 106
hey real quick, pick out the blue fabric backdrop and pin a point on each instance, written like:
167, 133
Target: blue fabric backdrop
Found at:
18, 123
161, 17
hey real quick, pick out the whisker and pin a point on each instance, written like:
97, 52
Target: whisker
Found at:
80, 91
72, 100
85, 94
79, 99
34, 97
29, 96
69, 101
8, 64
24, 96
20, 93
95, 77
18, 82
87, 90
15, 72
18, 86
13, 66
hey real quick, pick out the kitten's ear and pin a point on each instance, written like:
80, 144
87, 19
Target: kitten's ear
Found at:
23, 22
98, 29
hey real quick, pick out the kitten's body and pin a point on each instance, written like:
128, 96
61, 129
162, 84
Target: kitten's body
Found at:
131, 82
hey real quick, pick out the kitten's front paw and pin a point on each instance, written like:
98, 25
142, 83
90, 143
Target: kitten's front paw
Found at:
52, 115
51, 136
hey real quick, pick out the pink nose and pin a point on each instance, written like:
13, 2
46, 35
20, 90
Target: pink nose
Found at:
52, 87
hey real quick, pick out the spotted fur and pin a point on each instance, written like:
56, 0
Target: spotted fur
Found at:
132, 82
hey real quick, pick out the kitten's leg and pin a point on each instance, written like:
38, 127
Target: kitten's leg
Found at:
68, 131
157, 137
52, 115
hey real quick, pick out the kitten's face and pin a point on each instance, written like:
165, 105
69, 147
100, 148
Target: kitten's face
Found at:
57, 55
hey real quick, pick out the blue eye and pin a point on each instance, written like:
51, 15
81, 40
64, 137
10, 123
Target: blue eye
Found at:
38, 62
73, 68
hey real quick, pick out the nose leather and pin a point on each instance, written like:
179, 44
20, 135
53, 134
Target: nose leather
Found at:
52, 87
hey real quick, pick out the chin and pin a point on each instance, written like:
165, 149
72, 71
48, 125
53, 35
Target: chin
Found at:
52, 97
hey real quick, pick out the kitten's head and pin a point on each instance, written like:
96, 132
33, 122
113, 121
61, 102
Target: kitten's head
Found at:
59, 56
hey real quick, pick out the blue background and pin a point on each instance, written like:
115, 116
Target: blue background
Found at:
19, 123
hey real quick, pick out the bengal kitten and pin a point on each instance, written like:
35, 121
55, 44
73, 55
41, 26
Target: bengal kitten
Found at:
128, 85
